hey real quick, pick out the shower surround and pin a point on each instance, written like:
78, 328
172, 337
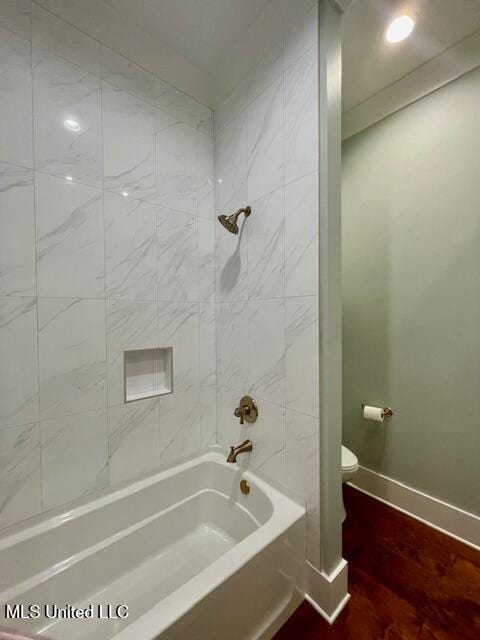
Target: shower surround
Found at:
266, 157
106, 244
109, 242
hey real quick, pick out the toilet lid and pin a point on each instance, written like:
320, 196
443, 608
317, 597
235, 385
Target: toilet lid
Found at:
349, 459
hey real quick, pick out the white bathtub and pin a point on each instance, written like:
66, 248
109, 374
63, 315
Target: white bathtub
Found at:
185, 550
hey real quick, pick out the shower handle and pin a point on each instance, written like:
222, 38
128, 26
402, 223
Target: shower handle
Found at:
247, 410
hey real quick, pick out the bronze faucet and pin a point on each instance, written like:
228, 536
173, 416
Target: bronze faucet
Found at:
245, 447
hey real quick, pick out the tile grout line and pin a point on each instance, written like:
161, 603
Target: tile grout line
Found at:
157, 276
249, 332
96, 187
284, 409
40, 439
199, 334
102, 116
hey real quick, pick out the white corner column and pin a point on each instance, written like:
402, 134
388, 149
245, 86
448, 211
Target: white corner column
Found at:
327, 588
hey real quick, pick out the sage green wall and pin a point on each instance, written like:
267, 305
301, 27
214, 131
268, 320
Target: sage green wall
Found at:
411, 278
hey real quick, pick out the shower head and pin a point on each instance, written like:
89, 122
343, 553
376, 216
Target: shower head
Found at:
230, 222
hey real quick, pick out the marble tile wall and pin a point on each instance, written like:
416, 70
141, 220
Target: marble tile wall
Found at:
266, 155
107, 242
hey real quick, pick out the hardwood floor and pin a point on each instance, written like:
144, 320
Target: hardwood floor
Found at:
407, 582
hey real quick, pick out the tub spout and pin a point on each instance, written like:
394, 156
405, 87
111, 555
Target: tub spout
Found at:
245, 447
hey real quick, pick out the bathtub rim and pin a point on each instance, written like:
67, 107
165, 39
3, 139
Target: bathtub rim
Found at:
55, 517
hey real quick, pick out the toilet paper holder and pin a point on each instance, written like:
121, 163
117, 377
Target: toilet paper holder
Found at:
386, 411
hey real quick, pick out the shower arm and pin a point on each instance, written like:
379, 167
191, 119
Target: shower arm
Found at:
246, 210
233, 217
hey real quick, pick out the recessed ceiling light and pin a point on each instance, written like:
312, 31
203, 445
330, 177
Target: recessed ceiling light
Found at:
69, 178
399, 29
71, 125
125, 193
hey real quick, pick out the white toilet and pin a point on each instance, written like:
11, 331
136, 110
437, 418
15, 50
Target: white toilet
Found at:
349, 469
349, 464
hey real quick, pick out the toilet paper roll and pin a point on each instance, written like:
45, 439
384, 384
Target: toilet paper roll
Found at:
373, 413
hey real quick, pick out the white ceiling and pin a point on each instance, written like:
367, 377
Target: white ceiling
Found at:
370, 64
200, 30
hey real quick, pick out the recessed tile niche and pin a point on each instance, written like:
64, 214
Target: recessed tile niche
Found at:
148, 373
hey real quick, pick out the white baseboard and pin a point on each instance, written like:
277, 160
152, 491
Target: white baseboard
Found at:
328, 594
444, 517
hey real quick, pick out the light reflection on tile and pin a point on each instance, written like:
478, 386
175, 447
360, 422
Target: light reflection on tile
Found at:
67, 116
